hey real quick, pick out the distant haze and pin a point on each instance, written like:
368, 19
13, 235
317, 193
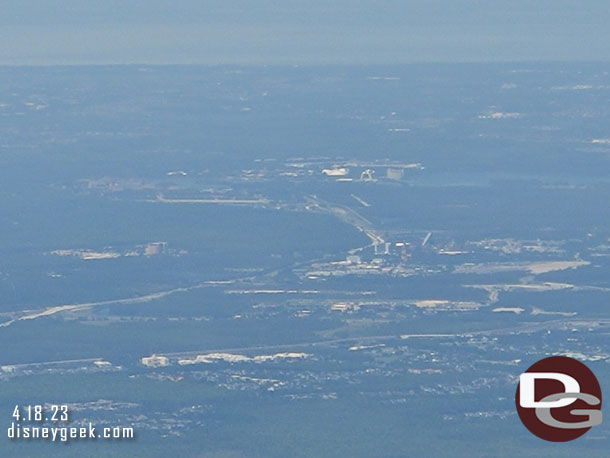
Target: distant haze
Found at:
301, 32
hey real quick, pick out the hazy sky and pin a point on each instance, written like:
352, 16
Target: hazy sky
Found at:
301, 32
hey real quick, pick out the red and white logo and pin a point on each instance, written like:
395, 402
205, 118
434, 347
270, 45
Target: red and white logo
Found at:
559, 399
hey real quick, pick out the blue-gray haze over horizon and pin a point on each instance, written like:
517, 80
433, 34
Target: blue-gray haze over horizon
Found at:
289, 32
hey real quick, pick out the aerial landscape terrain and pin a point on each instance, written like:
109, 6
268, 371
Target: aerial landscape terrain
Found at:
301, 261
